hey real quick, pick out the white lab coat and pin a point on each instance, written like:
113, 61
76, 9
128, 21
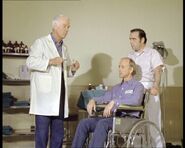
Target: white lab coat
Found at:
46, 80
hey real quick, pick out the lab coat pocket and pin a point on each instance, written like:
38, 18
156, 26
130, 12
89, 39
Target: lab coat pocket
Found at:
44, 82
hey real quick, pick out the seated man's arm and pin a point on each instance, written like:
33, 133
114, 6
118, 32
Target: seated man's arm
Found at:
106, 98
107, 110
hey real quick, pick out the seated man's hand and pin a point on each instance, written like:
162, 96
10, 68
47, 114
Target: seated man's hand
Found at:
108, 108
91, 106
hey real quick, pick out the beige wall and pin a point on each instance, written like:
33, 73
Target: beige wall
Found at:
100, 26
99, 36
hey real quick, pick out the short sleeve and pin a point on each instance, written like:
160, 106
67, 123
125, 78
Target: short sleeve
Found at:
157, 59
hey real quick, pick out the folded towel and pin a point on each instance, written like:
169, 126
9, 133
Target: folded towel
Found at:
22, 103
7, 130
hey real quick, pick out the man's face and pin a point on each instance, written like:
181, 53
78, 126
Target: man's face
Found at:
135, 42
62, 27
124, 69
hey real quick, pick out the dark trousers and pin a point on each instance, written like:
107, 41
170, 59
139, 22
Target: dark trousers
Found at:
54, 123
99, 127
56, 126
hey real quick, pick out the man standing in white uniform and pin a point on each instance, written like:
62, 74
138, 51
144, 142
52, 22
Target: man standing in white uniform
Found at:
150, 65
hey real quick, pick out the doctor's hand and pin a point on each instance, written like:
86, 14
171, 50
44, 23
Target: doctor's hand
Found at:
56, 61
75, 65
91, 106
108, 109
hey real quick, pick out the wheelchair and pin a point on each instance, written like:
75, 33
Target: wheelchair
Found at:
131, 132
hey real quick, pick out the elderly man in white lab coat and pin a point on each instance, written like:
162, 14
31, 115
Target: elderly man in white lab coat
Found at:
50, 65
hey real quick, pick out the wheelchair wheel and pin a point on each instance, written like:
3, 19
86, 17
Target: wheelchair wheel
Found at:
145, 134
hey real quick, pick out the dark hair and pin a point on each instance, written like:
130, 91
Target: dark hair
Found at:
142, 33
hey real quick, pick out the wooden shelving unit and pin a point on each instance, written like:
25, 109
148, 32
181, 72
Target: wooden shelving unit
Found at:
16, 109
18, 134
15, 82
15, 54
26, 134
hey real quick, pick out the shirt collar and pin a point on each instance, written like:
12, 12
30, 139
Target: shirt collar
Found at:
127, 82
143, 51
55, 41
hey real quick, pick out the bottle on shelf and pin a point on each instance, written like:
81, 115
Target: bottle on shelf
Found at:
15, 44
89, 87
26, 49
9, 47
9, 44
16, 47
21, 43
4, 46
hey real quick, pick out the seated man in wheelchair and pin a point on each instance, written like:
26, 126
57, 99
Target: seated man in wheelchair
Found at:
129, 92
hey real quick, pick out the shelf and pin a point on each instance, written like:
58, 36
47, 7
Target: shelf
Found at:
16, 109
15, 82
21, 134
15, 54
19, 107
26, 134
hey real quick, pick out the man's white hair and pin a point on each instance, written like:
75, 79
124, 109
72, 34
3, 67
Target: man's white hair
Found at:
56, 19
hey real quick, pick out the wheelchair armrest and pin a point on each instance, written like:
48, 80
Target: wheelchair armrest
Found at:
130, 108
123, 107
100, 107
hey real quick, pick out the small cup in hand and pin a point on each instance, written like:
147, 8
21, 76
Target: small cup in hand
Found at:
75, 65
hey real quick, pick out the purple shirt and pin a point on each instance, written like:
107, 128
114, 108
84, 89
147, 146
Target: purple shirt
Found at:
58, 45
128, 93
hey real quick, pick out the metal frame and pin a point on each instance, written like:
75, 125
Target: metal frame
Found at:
130, 135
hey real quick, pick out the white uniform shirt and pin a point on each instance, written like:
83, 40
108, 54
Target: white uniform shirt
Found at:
146, 62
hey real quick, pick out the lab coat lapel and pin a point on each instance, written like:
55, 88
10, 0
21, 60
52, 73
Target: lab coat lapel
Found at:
53, 48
